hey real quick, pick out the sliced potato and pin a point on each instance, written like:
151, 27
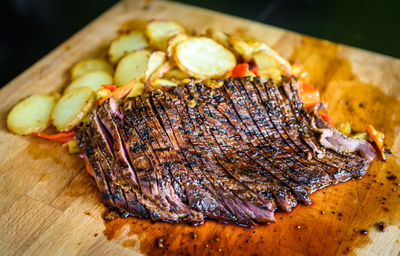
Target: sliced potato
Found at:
160, 83
126, 43
93, 79
258, 46
241, 47
87, 65
203, 57
161, 71
137, 90
173, 41
284, 65
218, 36
272, 73
156, 59
72, 108
175, 73
132, 66
159, 31
264, 60
31, 114
247, 48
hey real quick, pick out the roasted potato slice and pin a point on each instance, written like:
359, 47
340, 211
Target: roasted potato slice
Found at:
156, 59
241, 47
161, 71
271, 73
175, 73
126, 43
160, 83
218, 36
264, 60
173, 41
202, 57
93, 79
247, 48
283, 64
159, 31
87, 65
72, 108
132, 66
137, 90
31, 114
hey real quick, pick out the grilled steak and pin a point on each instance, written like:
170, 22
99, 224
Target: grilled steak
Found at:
234, 154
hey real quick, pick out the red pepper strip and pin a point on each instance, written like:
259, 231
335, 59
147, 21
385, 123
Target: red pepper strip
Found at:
377, 137
309, 95
87, 166
305, 87
60, 137
254, 70
121, 91
240, 70
111, 87
310, 98
327, 118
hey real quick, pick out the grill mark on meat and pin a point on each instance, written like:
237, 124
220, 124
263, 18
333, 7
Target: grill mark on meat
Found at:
87, 137
214, 171
291, 92
112, 118
162, 180
105, 163
124, 174
256, 208
228, 140
337, 171
341, 160
277, 138
201, 193
302, 170
238, 154
283, 173
234, 119
147, 167
161, 150
246, 172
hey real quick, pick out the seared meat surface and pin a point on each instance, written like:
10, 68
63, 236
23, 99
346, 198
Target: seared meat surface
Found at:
234, 154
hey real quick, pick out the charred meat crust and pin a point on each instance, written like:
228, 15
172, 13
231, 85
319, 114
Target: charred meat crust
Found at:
234, 154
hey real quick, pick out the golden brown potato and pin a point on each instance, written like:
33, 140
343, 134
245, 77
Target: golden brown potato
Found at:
132, 66
31, 114
72, 108
156, 59
87, 65
137, 90
159, 31
204, 58
93, 79
135, 40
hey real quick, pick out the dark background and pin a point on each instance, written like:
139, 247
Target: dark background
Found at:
29, 29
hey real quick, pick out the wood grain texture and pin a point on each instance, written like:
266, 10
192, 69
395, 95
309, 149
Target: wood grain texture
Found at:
49, 205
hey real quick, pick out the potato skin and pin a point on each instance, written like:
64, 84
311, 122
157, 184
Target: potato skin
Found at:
88, 65
72, 108
135, 40
203, 57
32, 114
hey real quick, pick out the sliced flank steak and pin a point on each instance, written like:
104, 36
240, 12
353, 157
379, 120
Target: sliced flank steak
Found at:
234, 154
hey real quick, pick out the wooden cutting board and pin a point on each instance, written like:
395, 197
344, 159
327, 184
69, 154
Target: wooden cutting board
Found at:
50, 206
